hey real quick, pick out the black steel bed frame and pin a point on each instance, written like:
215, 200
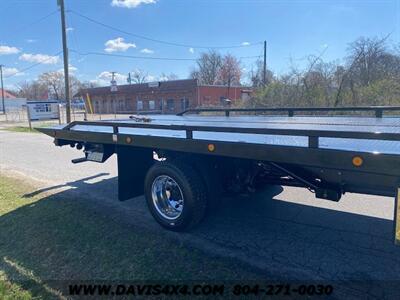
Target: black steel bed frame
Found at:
388, 164
313, 135
378, 175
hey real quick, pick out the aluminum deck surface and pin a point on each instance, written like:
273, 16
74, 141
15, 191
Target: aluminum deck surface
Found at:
335, 124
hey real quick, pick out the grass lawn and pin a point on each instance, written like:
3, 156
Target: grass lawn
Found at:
21, 129
10, 291
46, 240
25, 128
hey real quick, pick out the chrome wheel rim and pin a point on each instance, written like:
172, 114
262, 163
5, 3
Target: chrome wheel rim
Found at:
167, 197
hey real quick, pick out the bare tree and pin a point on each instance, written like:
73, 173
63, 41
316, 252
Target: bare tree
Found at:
339, 81
89, 85
230, 71
367, 57
208, 67
256, 74
139, 76
54, 81
32, 90
370, 76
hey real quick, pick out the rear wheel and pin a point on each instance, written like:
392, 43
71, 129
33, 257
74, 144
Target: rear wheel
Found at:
175, 194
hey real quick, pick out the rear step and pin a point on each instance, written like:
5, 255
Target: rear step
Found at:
94, 152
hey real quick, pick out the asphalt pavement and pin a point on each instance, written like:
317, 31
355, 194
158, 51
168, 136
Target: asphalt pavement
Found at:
284, 232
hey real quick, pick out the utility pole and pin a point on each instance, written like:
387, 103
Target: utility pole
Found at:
265, 64
66, 65
114, 87
2, 89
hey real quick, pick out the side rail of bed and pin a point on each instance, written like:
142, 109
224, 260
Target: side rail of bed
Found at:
378, 111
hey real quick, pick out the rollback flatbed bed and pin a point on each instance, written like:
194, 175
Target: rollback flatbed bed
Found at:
183, 163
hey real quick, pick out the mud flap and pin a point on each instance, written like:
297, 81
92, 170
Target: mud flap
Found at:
397, 218
133, 163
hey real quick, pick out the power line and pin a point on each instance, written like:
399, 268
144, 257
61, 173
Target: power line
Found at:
36, 21
113, 55
34, 65
156, 40
248, 57
131, 56
145, 57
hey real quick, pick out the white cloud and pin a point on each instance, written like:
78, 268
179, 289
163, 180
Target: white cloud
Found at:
11, 72
30, 41
147, 51
71, 69
40, 58
11, 87
191, 50
105, 77
118, 44
245, 44
163, 78
151, 78
98, 82
323, 46
69, 29
4, 50
131, 3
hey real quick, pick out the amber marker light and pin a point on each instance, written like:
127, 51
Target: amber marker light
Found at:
357, 161
211, 147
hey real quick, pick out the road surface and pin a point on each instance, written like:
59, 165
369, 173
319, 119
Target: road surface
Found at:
285, 232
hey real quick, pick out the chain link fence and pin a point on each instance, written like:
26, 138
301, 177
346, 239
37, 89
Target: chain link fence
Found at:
19, 117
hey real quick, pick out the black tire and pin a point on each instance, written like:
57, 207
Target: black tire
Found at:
193, 189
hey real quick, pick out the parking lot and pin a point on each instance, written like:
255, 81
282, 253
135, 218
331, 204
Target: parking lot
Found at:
282, 232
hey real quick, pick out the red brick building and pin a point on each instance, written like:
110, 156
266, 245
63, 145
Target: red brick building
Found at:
216, 95
166, 97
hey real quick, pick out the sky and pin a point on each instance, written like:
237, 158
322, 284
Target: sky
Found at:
30, 34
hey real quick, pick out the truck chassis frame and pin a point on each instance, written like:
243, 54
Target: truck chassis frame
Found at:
327, 171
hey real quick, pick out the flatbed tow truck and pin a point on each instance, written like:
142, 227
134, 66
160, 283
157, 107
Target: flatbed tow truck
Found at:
183, 163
